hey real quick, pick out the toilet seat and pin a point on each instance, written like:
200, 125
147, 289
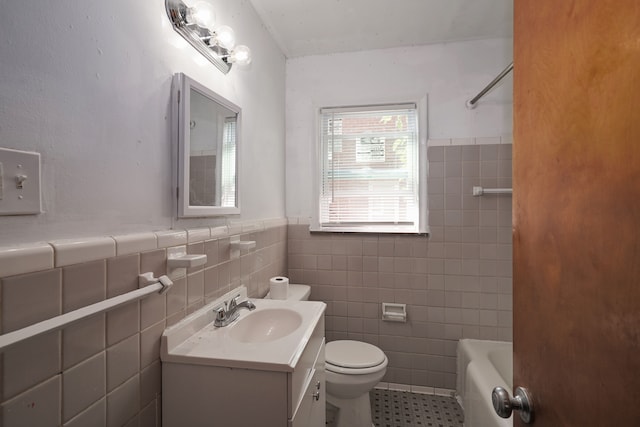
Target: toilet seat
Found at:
353, 357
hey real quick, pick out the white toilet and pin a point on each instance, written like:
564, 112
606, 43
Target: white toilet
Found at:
353, 368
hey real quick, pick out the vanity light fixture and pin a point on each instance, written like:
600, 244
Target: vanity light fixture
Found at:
196, 24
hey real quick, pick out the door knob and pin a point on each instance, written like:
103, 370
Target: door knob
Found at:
505, 405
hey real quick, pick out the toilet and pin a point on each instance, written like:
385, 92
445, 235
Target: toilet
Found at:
352, 369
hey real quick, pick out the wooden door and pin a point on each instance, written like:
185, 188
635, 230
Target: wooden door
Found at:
577, 210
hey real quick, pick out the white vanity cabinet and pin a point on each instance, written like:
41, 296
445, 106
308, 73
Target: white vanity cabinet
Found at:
310, 403
312, 409
199, 392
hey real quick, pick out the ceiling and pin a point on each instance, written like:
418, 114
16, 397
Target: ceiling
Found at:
310, 27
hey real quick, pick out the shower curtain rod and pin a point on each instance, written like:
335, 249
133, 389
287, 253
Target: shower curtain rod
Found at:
471, 104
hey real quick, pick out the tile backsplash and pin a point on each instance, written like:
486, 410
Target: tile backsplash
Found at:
457, 283
105, 370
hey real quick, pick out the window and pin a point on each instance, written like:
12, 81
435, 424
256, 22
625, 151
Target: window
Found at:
369, 170
228, 169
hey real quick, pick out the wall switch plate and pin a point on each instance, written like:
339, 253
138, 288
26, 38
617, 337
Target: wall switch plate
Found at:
19, 182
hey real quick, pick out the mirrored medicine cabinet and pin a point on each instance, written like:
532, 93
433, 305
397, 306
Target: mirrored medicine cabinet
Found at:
208, 137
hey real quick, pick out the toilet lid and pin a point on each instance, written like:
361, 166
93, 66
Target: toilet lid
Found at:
353, 354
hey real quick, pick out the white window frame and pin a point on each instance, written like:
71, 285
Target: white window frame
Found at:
421, 227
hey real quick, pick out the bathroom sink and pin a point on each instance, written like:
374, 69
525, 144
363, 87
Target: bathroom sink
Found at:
265, 325
271, 337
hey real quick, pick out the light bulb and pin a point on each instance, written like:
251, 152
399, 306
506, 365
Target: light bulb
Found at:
241, 55
225, 37
203, 14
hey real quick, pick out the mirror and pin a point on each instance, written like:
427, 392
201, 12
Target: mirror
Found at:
208, 139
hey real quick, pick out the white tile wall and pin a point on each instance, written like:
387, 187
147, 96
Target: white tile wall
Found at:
123, 361
94, 415
171, 238
75, 251
82, 386
25, 259
198, 235
134, 243
105, 370
41, 354
449, 281
38, 407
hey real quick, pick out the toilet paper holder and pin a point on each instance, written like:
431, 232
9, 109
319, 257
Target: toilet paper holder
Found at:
394, 312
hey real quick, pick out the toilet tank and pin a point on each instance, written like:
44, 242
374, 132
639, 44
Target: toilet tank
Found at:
296, 292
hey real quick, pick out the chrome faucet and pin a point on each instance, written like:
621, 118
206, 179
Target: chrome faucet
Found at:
228, 311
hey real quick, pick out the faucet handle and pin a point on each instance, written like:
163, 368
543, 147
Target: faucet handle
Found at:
221, 313
233, 302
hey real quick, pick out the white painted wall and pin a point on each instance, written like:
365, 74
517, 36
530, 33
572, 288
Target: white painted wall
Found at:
87, 84
449, 73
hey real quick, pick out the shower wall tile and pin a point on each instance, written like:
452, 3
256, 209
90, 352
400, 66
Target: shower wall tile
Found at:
456, 283
470, 153
105, 369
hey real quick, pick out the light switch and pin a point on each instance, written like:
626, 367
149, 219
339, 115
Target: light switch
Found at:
19, 182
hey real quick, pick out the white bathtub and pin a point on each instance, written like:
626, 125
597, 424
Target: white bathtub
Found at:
482, 365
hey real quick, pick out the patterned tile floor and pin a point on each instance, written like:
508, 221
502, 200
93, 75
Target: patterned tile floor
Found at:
390, 408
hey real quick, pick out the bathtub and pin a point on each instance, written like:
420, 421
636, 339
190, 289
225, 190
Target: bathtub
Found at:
482, 365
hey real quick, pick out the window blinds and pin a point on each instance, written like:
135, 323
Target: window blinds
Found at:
228, 175
369, 169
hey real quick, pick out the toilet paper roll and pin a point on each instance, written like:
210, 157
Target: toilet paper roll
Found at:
279, 287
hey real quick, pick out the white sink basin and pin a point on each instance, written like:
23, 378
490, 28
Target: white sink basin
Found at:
265, 325
271, 337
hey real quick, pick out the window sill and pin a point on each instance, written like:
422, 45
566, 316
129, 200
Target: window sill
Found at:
373, 229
